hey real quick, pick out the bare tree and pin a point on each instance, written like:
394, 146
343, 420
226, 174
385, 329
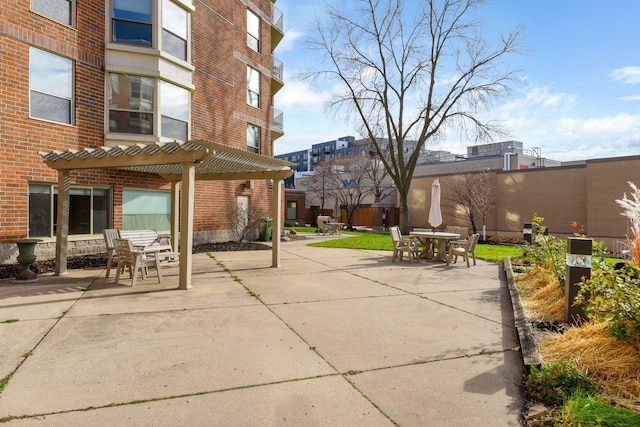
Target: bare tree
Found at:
351, 183
472, 194
319, 184
245, 223
411, 75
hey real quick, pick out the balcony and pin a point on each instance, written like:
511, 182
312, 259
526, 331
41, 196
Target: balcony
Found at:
277, 27
277, 76
277, 124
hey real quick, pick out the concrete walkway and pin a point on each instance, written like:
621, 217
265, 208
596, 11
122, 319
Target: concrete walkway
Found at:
332, 338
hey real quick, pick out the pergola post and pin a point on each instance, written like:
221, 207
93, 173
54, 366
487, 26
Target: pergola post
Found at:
62, 222
276, 209
186, 222
175, 215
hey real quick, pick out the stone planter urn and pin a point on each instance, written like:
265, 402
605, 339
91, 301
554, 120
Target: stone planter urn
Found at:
26, 257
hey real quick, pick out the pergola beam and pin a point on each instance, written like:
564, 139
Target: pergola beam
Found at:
125, 160
235, 176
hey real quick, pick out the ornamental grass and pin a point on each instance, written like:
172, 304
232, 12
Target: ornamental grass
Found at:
542, 296
613, 364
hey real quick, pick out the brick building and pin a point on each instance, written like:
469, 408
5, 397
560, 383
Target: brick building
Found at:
582, 192
84, 75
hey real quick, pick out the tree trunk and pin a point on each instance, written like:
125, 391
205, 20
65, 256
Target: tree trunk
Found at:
404, 212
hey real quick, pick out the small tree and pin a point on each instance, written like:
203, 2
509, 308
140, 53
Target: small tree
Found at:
474, 195
351, 183
319, 185
245, 223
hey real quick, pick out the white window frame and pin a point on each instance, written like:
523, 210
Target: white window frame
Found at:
172, 28
53, 85
167, 101
253, 138
253, 86
114, 89
153, 17
37, 7
254, 41
175, 105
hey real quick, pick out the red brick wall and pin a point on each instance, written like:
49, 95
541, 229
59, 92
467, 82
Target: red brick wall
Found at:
21, 137
219, 109
220, 112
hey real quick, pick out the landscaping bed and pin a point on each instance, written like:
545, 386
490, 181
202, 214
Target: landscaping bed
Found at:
576, 374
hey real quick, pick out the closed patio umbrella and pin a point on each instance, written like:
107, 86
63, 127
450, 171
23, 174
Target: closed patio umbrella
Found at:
337, 213
435, 214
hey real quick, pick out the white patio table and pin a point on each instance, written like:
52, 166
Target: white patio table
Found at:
442, 238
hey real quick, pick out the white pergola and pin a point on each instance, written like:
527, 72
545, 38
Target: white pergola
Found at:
176, 162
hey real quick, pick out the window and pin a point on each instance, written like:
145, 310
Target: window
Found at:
131, 104
253, 87
175, 28
132, 22
253, 31
174, 105
50, 86
146, 210
253, 138
88, 210
292, 210
58, 10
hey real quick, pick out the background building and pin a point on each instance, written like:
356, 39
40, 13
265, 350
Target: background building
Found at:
76, 75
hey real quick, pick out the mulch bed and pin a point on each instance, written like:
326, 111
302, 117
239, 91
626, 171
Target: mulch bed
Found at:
100, 260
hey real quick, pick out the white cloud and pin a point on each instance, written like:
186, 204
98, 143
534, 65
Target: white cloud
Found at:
629, 75
599, 126
630, 98
540, 97
300, 96
287, 44
545, 98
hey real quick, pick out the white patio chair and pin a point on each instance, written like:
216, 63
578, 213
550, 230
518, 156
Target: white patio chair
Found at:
463, 248
110, 236
135, 260
403, 244
322, 224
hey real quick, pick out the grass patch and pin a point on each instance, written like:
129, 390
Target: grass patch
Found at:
584, 410
382, 242
10, 321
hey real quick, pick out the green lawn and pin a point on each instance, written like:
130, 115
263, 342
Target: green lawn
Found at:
379, 241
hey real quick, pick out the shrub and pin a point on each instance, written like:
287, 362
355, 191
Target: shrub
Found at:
548, 252
554, 383
613, 296
494, 240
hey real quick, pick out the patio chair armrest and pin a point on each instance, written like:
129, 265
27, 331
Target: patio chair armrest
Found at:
459, 243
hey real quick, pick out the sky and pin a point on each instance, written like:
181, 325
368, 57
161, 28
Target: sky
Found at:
580, 72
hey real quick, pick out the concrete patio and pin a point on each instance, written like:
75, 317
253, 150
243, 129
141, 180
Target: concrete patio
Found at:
333, 337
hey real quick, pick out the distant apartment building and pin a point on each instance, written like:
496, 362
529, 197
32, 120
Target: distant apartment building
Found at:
78, 75
505, 155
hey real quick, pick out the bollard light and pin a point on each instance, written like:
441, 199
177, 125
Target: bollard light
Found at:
527, 231
578, 269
